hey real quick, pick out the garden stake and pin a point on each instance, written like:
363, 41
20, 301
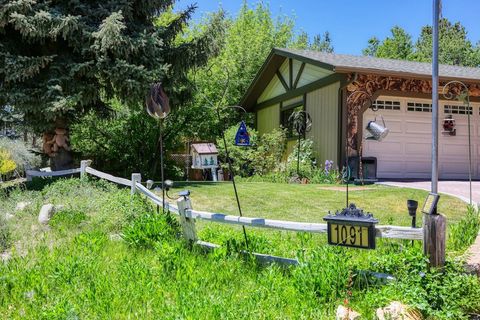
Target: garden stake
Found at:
229, 161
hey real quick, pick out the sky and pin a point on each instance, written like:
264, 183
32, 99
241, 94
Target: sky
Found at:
351, 22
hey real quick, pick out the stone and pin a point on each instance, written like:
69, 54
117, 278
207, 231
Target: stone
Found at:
8, 216
46, 213
344, 313
22, 205
397, 311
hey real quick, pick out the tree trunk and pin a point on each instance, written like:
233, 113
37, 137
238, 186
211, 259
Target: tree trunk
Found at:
61, 160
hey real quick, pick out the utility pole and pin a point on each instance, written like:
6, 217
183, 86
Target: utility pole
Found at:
434, 226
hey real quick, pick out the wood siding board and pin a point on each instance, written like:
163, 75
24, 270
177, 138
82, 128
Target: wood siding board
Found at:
273, 89
299, 74
268, 118
322, 105
307, 88
282, 80
290, 73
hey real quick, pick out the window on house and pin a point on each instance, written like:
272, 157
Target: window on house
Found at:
386, 105
285, 114
419, 107
457, 109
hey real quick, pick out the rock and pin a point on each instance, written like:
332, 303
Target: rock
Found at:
46, 213
344, 313
8, 216
397, 311
22, 205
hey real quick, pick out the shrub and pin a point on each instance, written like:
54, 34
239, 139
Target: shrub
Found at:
7, 165
262, 157
20, 154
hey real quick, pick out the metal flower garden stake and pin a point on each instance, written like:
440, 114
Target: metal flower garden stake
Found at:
158, 107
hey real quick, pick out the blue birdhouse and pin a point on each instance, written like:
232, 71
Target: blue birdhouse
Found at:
242, 138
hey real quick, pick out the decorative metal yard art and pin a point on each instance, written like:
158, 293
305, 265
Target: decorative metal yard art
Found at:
222, 124
301, 123
158, 107
464, 97
377, 131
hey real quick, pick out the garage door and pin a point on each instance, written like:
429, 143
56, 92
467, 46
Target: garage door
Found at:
406, 151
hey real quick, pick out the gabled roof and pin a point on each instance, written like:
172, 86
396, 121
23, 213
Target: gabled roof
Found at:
342, 63
205, 148
349, 63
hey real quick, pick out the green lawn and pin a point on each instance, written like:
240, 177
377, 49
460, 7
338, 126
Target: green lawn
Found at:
312, 202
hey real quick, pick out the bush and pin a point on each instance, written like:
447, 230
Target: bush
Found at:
262, 157
19, 154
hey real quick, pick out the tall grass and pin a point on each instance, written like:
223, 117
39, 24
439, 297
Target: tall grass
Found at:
76, 270
462, 234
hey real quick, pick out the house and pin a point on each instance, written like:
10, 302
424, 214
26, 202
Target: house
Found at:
342, 93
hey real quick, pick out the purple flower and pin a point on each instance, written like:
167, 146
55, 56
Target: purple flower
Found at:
328, 166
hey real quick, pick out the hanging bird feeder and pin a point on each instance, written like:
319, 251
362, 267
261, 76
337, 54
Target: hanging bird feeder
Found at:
242, 138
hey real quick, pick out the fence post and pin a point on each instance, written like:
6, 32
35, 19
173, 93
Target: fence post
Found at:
83, 167
188, 224
136, 177
434, 230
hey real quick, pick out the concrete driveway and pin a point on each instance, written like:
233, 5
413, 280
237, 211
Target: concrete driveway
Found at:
459, 189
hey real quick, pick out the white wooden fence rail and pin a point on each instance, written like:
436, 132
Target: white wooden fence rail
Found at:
382, 231
33, 173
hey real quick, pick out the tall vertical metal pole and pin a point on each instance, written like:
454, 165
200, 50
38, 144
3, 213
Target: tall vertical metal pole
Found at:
436, 17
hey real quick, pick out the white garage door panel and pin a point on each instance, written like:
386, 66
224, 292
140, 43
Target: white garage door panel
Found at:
418, 149
406, 151
418, 167
450, 149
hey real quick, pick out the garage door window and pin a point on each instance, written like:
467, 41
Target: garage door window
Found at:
457, 109
419, 107
386, 105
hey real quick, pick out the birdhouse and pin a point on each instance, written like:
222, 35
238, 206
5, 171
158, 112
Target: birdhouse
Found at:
204, 156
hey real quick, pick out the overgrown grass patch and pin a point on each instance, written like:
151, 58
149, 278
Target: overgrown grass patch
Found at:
75, 269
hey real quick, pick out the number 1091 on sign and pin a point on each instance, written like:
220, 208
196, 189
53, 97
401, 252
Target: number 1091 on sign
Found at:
350, 235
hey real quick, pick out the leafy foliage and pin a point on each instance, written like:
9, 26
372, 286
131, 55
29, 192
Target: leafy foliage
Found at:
20, 154
7, 165
59, 60
454, 46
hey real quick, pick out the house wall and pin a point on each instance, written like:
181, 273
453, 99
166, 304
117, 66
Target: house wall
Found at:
322, 105
268, 119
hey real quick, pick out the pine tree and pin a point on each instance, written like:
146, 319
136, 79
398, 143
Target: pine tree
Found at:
61, 59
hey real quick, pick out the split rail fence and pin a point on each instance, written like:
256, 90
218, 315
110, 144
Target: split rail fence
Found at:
188, 216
